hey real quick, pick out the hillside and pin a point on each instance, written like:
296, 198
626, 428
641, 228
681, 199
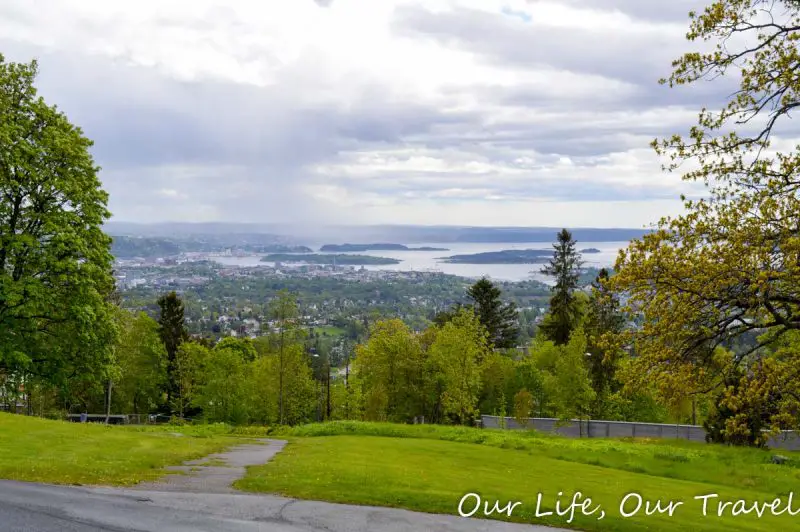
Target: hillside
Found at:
431, 468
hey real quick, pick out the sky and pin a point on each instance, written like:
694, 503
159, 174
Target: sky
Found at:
462, 112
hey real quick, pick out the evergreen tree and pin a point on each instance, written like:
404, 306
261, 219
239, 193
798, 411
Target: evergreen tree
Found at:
604, 323
172, 330
564, 313
499, 318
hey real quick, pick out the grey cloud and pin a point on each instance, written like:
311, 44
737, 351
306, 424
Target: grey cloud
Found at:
651, 10
600, 51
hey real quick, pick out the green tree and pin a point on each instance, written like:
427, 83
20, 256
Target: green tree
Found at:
221, 390
564, 314
284, 311
391, 368
299, 395
523, 407
500, 319
243, 346
729, 265
190, 362
141, 360
56, 317
456, 354
573, 391
172, 329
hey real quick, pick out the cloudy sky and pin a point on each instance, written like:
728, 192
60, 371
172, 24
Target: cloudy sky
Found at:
482, 112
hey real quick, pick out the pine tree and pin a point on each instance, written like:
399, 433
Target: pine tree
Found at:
172, 330
564, 313
499, 318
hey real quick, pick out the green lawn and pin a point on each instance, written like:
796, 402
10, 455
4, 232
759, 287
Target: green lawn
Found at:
328, 330
57, 452
431, 468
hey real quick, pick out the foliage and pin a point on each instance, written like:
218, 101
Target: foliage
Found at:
391, 370
572, 391
564, 314
172, 329
523, 407
56, 317
141, 361
728, 266
460, 347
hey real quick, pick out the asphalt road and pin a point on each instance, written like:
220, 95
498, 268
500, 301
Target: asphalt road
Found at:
27, 507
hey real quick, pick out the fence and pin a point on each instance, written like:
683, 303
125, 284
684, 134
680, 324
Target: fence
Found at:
789, 440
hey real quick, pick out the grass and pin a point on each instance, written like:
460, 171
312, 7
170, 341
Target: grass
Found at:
429, 468
57, 452
328, 330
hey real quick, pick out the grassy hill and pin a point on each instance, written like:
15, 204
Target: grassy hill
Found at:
58, 452
429, 468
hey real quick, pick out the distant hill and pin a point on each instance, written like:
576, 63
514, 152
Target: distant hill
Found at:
125, 247
375, 247
408, 234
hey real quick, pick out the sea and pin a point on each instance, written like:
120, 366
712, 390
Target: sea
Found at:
431, 261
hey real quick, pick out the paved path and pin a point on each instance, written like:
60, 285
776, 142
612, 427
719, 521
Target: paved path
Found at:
224, 469
203, 501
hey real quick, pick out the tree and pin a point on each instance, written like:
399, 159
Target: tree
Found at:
728, 266
604, 325
573, 389
391, 368
221, 390
500, 319
56, 317
243, 346
456, 354
190, 364
284, 310
141, 360
564, 313
172, 330
523, 406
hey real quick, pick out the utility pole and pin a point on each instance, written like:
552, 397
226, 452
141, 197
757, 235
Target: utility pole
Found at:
328, 376
108, 401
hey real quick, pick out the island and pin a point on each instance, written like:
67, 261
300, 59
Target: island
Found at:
375, 247
591, 250
507, 256
339, 260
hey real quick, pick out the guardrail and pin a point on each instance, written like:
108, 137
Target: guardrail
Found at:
592, 428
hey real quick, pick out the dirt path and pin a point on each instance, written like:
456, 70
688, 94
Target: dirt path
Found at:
215, 473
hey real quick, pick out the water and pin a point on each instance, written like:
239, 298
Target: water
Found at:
429, 260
